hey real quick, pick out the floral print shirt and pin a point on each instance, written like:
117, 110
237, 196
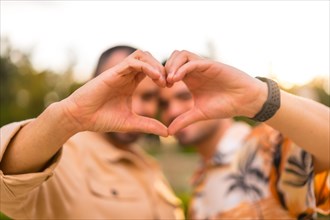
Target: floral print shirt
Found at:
256, 173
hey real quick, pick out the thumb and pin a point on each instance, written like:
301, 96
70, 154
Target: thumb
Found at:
146, 125
184, 120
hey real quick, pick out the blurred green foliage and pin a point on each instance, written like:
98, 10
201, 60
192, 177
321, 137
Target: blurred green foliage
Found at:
3, 217
185, 198
25, 91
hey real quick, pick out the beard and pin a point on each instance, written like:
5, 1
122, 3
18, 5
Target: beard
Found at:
189, 136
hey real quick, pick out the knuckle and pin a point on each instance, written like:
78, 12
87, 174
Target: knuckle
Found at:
138, 53
175, 52
131, 64
147, 52
185, 52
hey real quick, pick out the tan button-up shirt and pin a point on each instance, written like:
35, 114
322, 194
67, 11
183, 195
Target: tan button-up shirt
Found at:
88, 179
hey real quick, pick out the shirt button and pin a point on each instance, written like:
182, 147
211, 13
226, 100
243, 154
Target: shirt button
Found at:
114, 192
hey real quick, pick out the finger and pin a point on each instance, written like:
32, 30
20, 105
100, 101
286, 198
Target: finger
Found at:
197, 66
143, 124
171, 59
152, 60
185, 69
177, 60
148, 58
161, 68
169, 85
181, 73
137, 66
141, 66
184, 120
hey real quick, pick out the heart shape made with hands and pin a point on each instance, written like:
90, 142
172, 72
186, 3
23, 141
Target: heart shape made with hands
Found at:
166, 76
218, 90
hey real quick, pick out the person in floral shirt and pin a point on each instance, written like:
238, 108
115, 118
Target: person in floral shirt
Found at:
276, 170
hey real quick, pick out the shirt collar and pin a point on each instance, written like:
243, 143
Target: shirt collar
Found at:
226, 149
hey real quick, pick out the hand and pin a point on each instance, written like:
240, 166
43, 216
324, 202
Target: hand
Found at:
104, 104
219, 90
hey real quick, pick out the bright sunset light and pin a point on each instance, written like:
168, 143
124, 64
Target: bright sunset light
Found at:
287, 39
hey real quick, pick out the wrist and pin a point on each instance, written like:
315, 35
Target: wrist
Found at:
272, 101
259, 97
58, 114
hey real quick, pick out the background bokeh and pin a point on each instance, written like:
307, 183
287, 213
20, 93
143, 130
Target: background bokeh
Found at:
50, 48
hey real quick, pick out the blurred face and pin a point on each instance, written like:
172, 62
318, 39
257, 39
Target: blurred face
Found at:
144, 99
176, 100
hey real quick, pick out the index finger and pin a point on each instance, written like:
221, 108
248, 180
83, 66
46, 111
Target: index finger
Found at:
133, 66
176, 60
148, 58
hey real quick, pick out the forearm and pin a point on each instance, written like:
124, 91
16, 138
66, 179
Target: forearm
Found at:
307, 123
37, 142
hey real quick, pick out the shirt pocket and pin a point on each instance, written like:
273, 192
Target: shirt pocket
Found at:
113, 189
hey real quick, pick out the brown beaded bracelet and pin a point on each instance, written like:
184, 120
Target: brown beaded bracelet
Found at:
272, 103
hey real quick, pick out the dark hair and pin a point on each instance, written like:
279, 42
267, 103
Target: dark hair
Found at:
108, 53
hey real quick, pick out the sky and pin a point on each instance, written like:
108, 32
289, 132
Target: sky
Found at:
286, 39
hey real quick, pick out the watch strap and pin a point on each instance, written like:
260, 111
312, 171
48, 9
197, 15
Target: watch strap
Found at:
272, 103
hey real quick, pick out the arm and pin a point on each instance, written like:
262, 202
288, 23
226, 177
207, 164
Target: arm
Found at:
37, 142
102, 105
222, 91
307, 123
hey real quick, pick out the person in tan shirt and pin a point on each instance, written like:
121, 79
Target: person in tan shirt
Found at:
77, 160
